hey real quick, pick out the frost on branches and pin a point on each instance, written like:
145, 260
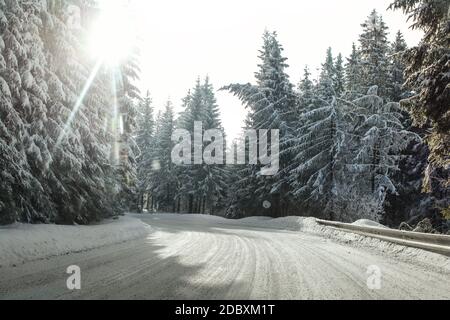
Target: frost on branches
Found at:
346, 153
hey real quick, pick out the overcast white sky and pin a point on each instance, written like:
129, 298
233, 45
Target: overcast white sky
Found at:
182, 40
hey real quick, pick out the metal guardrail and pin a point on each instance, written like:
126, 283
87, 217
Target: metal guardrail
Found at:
430, 242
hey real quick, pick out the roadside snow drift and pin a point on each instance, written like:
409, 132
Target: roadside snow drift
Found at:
20, 243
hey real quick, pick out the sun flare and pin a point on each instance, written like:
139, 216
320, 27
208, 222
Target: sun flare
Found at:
113, 34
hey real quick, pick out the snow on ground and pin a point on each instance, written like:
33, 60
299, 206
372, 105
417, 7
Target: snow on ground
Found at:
286, 223
310, 225
20, 243
193, 257
369, 223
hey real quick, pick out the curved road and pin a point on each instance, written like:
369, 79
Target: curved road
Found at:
190, 258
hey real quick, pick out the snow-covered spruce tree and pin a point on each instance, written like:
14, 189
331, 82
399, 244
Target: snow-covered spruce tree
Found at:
202, 186
326, 85
163, 177
374, 50
211, 115
244, 180
320, 150
82, 180
59, 142
125, 151
272, 104
397, 68
428, 74
12, 169
353, 72
213, 176
193, 108
410, 204
151, 178
346, 155
25, 92
380, 140
145, 142
237, 194
339, 76
17, 184
188, 195
305, 89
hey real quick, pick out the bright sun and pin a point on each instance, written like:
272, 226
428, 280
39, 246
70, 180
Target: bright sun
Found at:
113, 34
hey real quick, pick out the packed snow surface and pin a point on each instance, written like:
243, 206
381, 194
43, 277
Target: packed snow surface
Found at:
20, 243
204, 257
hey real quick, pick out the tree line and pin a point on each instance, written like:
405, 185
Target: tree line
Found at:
348, 148
367, 138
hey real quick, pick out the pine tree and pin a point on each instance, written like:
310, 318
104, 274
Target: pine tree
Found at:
211, 114
193, 104
202, 185
353, 72
272, 105
145, 142
346, 155
306, 89
339, 77
163, 176
374, 49
383, 139
26, 94
319, 157
58, 142
126, 74
326, 85
190, 173
82, 182
427, 74
213, 176
397, 68
13, 169
410, 203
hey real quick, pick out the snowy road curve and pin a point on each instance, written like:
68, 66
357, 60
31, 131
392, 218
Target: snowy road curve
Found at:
190, 258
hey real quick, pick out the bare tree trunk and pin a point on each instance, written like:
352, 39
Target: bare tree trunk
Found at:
191, 203
204, 205
197, 205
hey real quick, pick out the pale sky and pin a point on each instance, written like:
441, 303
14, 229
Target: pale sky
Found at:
181, 40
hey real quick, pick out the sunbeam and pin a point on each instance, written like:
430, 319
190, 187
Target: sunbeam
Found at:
79, 102
115, 115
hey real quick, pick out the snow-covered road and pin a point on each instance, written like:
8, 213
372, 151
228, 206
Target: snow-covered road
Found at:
186, 257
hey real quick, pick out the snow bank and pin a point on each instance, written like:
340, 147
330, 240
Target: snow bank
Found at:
369, 223
286, 223
427, 259
20, 243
